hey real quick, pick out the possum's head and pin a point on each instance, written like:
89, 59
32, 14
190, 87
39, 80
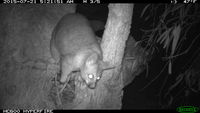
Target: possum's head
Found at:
92, 70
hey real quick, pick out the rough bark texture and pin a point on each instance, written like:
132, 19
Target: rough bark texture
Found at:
108, 94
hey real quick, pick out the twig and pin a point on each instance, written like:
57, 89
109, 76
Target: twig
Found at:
154, 78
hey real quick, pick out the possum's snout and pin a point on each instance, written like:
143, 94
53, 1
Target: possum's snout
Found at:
92, 85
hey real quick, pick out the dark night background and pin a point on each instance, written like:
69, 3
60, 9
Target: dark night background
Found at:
151, 97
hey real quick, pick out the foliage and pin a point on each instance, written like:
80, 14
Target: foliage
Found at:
169, 30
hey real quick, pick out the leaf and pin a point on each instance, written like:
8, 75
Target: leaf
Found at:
160, 39
188, 75
187, 9
176, 34
178, 80
144, 10
166, 44
164, 37
177, 7
149, 30
170, 67
170, 100
147, 18
181, 14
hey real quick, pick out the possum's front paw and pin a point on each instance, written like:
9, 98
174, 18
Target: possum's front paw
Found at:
66, 85
79, 82
62, 80
80, 85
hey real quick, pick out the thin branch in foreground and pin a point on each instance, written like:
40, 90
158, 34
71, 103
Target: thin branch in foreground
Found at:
154, 78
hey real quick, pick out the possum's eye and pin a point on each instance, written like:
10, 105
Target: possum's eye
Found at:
90, 76
98, 78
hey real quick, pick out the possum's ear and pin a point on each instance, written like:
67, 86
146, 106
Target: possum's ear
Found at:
98, 39
92, 59
106, 65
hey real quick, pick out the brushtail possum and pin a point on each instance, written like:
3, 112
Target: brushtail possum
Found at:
75, 47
